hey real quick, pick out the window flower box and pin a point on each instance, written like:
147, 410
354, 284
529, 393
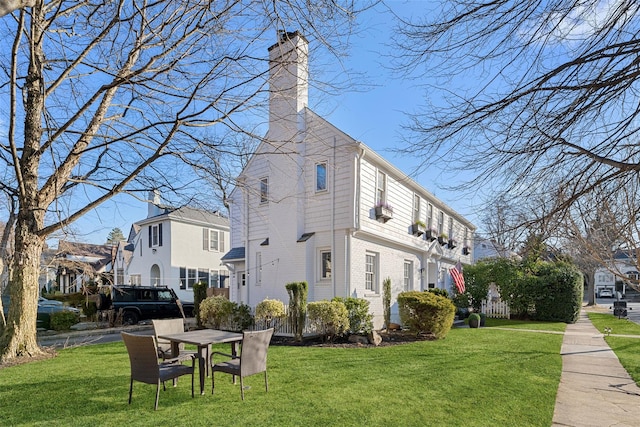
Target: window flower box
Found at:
452, 243
383, 212
443, 239
466, 250
431, 234
418, 228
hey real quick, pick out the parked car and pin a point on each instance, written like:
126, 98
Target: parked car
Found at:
46, 308
144, 303
605, 293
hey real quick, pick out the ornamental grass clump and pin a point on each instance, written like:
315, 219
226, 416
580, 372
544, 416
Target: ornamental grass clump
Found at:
329, 318
426, 313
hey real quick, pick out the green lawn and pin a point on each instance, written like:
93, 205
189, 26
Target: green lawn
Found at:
474, 377
627, 349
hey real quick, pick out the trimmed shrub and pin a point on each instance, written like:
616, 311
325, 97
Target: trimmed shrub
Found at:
329, 318
271, 311
240, 319
199, 295
559, 293
89, 308
297, 306
475, 321
63, 320
426, 313
438, 291
386, 301
215, 310
360, 320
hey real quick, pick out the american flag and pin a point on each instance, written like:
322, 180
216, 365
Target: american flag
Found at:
458, 278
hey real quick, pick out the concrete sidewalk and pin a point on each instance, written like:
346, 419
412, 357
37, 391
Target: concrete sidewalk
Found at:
595, 390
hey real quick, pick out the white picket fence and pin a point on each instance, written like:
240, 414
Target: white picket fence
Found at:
283, 327
497, 309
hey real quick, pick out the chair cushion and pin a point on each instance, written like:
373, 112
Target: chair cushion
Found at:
230, 367
170, 371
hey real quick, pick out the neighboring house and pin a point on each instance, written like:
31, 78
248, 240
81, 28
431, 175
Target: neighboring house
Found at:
315, 205
486, 248
625, 267
77, 264
175, 247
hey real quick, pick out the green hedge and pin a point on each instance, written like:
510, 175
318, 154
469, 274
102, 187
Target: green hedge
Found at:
63, 320
426, 313
559, 293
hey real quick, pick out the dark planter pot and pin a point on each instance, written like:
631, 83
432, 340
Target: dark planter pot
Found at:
474, 323
483, 319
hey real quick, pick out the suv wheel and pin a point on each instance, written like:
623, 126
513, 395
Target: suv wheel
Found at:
129, 317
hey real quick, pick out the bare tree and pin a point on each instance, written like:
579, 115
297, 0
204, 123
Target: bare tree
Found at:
107, 97
10, 6
601, 228
530, 98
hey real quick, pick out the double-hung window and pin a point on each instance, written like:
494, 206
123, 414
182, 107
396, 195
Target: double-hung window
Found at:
416, 208
212, 240
408, 275
381, 188
371, 272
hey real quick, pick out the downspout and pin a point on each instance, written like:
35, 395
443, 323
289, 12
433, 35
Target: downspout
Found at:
333, 213
246, 250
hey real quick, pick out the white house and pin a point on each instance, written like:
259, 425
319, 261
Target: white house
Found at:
625, 268
315, 205
176, 247
487, 248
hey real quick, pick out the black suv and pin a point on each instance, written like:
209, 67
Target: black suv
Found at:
144, 302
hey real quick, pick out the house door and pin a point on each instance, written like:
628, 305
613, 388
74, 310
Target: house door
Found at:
154, 276
241, 278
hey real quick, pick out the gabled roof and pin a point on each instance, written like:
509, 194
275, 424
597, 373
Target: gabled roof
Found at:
76, 254
189, 214
235, 254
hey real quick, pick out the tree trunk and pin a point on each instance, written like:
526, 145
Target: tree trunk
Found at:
19, 335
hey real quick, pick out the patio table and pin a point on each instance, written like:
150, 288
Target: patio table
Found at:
203, 339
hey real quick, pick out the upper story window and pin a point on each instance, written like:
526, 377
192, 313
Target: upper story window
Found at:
212, 240
440, 222
381, 188
450, 230
321, 176
416, 208
264, 190
155, 235
429, 216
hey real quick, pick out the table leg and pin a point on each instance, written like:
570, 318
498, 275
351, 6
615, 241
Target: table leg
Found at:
202, 362
234, 353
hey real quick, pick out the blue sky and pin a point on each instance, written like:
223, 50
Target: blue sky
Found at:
373, 116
